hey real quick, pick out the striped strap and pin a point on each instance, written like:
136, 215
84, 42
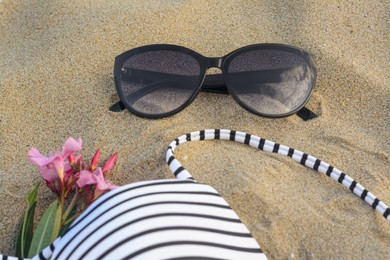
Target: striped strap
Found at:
305, 159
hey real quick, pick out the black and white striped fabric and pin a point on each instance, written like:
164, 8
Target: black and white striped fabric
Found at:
165, 219
305, 159
159, 219
177, 218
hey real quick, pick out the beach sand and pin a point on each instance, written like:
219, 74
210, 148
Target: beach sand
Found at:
56, 81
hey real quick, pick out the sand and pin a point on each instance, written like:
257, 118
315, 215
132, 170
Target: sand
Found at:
56, 80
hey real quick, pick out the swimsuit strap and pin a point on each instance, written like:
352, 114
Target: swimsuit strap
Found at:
305, 159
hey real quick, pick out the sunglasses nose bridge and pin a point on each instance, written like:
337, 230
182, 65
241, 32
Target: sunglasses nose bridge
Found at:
215, 62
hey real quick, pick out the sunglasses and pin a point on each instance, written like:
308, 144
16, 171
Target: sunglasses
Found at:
270, 80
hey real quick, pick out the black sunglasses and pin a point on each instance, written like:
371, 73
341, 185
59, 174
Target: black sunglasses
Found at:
270, 80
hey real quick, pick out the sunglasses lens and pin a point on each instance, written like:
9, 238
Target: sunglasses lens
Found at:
158, 82
273, 81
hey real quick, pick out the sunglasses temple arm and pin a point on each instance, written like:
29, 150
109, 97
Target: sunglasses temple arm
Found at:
117, 107
306, 114
215, 83
161, 79
212, 83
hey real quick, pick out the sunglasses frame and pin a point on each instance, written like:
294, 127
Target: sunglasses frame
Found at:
206, 63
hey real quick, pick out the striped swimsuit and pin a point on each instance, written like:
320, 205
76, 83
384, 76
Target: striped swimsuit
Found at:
178, 218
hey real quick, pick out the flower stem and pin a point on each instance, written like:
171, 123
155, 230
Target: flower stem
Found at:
70, 208
62, 202
70, 219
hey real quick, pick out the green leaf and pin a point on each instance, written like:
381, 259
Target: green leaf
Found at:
47, 229
57, 225
23, 241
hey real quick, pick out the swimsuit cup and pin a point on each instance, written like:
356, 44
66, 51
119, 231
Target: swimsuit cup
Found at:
178, 218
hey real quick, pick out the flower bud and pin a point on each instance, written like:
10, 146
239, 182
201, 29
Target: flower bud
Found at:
95, 161
109, 164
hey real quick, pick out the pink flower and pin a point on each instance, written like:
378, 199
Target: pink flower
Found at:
109, 164
97, 178
47, 166
53, 167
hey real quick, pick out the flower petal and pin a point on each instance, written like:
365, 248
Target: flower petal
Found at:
101, 184
35, 157
86, 178
71, 146
48, 174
